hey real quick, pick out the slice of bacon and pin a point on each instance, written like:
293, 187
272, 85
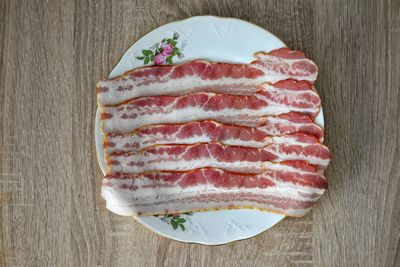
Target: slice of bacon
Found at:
210, 131
288, 190
206, 132
284, 62
234, 109
203, 76
216, 155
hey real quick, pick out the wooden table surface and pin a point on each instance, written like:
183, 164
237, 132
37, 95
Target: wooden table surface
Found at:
51, 211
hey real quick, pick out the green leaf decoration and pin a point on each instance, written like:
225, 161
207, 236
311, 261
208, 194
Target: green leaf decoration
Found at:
146, 60
169, 60
174, 224
175, 51
181, 220
147, 52
140, 58
175, 220
173, 43
151, 57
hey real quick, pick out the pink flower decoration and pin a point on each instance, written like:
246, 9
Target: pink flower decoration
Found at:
167, 49
159, 59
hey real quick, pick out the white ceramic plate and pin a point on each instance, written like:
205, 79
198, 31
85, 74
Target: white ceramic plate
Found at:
215, 39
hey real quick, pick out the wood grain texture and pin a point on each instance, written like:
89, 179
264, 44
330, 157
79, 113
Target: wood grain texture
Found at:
51, 212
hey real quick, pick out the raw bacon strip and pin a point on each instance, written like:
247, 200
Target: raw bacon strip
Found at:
200, 132
286, 63
216, 155
210, 131
203, 76
235, 109
288, 191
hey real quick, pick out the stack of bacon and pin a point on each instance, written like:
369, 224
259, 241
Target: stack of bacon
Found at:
204, 135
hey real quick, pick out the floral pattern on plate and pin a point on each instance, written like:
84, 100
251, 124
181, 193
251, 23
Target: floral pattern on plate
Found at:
176, 220
162, 52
